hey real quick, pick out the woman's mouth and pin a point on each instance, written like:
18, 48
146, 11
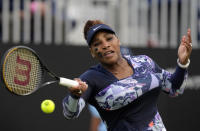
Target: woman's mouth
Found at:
108, 53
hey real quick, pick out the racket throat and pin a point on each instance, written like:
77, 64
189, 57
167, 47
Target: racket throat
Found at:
49, 82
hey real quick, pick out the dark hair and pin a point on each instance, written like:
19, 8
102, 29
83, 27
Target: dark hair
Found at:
89, 24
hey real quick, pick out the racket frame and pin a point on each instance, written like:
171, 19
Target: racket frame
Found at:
43, 66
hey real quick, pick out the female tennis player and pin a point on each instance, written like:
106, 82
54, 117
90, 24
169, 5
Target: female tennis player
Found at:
124, 88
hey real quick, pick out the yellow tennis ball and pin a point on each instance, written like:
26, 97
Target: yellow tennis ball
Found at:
47, 106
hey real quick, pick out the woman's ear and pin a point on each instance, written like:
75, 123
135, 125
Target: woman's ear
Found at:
118, 40
92, 53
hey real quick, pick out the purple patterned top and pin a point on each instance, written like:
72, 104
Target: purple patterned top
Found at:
129, 104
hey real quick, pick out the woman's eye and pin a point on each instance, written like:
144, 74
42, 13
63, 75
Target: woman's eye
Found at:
96, 43
109, 38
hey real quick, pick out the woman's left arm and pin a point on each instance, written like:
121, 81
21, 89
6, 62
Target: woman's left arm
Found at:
185, 50
176, 79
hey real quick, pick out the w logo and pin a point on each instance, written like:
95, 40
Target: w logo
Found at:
22, 75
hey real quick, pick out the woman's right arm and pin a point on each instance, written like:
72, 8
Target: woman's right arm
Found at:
73, 104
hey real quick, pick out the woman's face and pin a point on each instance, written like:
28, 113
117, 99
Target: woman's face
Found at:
105, 47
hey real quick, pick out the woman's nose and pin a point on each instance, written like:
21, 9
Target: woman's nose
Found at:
106, 44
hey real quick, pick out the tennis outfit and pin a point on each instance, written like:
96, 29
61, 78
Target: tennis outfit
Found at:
128, 104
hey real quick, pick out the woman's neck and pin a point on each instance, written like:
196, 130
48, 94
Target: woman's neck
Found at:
116, 66
121, 69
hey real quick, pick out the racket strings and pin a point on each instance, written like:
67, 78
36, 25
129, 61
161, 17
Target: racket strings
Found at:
22, 71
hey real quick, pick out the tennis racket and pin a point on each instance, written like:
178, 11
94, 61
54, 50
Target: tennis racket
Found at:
23, 72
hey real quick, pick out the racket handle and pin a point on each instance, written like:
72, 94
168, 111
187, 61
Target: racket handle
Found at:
67, 82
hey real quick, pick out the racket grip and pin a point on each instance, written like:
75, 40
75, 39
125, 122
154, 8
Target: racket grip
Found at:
67, 82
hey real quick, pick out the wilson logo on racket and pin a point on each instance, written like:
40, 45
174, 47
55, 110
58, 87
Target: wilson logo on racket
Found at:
22, 72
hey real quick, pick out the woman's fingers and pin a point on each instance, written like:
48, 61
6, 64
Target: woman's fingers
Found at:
82, 87
189, 38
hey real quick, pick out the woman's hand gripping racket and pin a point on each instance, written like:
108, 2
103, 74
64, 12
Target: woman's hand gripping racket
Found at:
23, 72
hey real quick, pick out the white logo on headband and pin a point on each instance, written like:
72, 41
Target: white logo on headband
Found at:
96, 28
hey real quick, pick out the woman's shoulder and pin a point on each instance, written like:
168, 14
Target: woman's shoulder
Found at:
92, 72
139, 58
